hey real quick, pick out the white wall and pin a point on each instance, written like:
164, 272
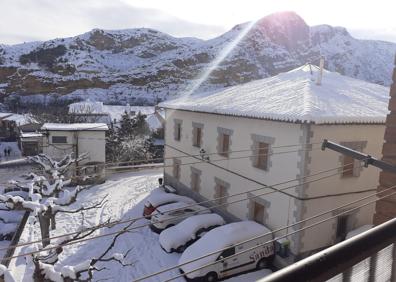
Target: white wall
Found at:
284, 166
282, 209
324, 234
92, 142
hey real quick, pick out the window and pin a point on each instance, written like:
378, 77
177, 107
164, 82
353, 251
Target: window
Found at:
59, 139
225, 145
228, 252
197, 136
221, 193
262, 154
352, 167
176, 169
195, 180
224, 141
348, 166
258, 213
178, 129
178, 132
342, 227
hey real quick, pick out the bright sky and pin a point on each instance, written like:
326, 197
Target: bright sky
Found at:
26, 20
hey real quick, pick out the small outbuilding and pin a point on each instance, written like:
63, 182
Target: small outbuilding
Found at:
60, 139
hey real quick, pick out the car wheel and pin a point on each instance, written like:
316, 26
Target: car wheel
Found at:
261, 264
181, 249
211, 277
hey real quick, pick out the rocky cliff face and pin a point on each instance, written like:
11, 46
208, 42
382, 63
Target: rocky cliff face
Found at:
144, 65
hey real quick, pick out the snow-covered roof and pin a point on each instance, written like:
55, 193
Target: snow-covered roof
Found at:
75, 126
18, 119
294, 96
31, 134
230, 234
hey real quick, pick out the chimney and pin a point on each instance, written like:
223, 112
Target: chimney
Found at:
320, 73
386, 209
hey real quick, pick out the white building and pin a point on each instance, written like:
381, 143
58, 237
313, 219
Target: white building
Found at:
261, 117
60, 139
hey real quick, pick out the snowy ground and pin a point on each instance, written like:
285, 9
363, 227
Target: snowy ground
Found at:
126, 193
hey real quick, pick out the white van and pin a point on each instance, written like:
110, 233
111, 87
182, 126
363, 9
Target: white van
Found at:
227, 237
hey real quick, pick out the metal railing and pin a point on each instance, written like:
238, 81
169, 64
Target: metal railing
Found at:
369, 256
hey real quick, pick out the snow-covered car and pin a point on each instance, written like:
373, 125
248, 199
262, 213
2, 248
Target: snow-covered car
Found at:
160, 197
225, 239
177, 238
169, 215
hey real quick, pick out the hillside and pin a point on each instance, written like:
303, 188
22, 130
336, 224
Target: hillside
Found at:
140, 66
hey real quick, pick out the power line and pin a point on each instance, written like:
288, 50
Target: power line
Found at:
110, 224
277, 238
245, 177
140, 226
206, 154
201, 161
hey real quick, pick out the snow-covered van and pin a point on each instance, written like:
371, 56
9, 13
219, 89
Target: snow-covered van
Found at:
177, 238
227, 262
159, 197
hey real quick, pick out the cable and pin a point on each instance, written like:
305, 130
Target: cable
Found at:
204, 161
206, 154
195, 204
137, 227
269, 233
245, 177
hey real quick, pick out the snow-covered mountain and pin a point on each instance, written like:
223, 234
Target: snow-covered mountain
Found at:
143, 65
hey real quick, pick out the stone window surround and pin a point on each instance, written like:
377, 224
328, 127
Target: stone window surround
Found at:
264, 139
254, 199
219, 182
199, 173
197, 125
357, 167
175, 125
219, 147
176, 166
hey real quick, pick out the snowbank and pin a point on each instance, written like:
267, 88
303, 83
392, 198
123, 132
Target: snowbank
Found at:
186, 230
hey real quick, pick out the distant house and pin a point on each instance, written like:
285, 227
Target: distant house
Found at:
31, 143
89, 111
78, 138
244, 128
12, 124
